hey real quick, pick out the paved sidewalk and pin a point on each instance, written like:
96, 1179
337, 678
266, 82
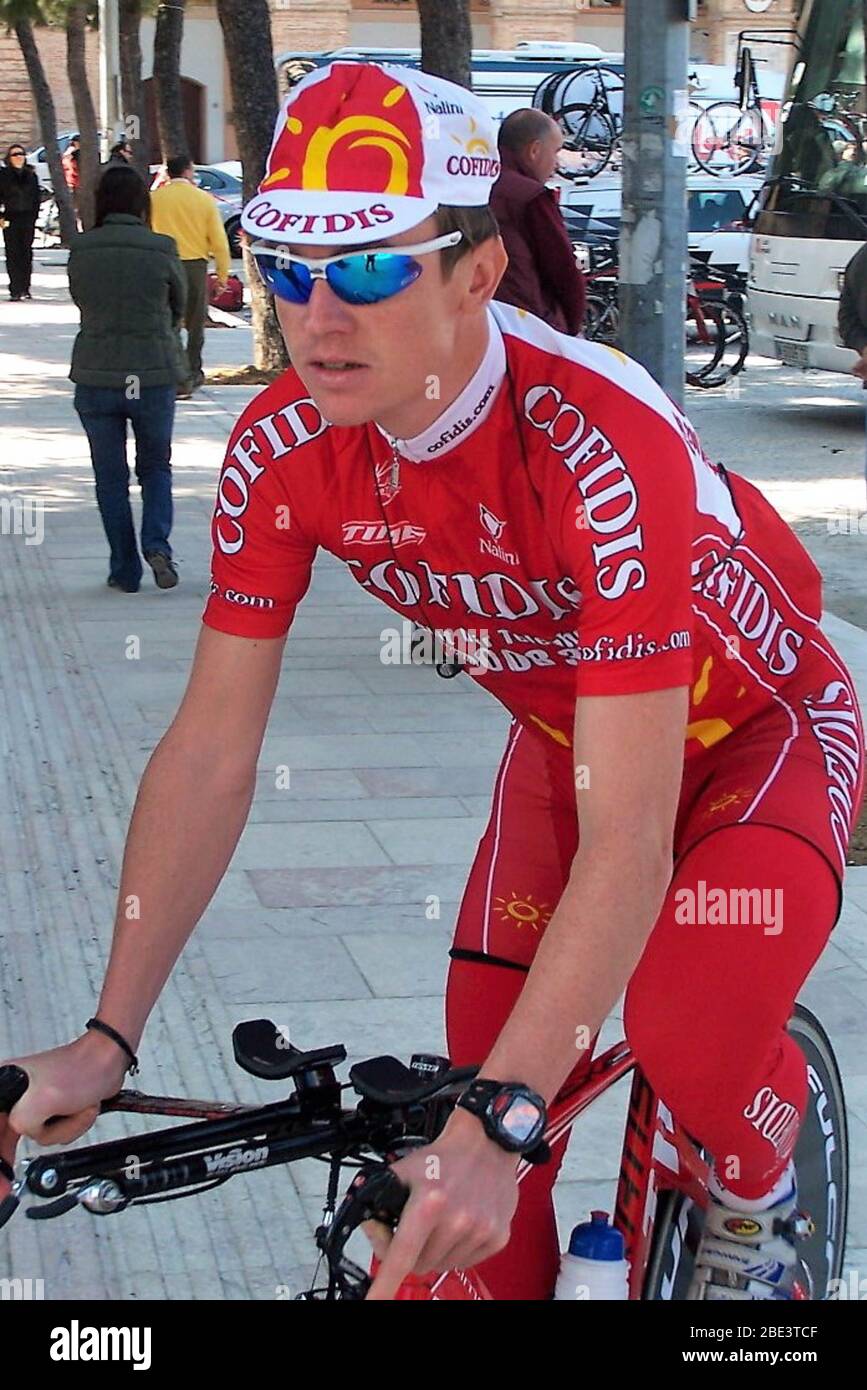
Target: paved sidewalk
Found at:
320, 922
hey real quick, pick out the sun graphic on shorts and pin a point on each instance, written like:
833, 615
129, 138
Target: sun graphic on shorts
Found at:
722, 803
523, 911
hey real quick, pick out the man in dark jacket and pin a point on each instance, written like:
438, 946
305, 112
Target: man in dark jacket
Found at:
542, 275
19, 207
852, 313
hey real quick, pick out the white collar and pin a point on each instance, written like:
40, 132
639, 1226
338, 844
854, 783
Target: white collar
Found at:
466, 412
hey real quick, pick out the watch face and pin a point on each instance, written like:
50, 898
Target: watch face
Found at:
519, 1118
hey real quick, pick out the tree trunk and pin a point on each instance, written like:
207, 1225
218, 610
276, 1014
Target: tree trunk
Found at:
168, 35
246, 26
85, 112
47, 125
446, 39
131, 90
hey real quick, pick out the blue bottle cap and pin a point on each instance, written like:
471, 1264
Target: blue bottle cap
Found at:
596, 1239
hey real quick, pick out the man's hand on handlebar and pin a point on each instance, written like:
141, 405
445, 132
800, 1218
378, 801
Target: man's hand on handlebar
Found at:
463, 1194
63, 1098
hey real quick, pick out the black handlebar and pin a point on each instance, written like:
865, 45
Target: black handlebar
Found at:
13, 1083
399, 1108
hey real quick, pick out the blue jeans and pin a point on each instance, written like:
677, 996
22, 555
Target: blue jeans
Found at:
104, 412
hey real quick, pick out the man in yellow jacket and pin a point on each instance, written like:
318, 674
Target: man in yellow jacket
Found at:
181, 210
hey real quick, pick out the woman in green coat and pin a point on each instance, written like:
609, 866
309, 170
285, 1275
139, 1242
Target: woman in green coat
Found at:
129, 285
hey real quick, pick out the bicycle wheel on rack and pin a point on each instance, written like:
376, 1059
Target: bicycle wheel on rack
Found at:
705, 342
544, 93
591, 133
727, 140
695, 112
822, 1166
602, 320
733, 341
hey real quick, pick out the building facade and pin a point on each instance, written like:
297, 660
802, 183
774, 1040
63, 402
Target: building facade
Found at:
304, 25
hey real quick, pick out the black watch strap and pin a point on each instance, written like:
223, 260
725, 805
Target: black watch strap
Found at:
477, 1098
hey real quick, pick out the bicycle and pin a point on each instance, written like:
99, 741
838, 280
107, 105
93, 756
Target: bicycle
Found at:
716, 333
734, 137
587, 103
661, 1192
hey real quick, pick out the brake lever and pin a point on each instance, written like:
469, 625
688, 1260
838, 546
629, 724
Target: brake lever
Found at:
10, 1204
56, 1208
375, 1194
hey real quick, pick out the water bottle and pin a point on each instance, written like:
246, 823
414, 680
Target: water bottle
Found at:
594, 1266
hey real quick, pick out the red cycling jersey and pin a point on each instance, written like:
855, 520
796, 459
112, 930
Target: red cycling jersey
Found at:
559, 519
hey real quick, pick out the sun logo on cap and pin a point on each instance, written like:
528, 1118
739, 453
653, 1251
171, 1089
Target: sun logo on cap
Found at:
329, 157
475, 144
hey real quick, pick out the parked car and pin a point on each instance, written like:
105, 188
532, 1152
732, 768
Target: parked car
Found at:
223, 182
718, 210
40, 163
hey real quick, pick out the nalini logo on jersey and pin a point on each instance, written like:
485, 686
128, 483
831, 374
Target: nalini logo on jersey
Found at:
610, 497
494, 528
835, 723
274, 435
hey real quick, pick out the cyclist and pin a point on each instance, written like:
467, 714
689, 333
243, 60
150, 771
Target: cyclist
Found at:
650, 623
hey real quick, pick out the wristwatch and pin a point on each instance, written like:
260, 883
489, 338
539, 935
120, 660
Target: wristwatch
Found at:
512, 1115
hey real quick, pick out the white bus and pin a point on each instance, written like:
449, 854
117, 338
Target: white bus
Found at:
813, 215
504, 79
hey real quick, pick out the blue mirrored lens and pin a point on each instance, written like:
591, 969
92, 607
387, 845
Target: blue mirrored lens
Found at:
359, 279
286, 280
369, 278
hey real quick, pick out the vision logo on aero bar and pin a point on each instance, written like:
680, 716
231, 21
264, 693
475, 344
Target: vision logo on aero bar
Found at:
610, 496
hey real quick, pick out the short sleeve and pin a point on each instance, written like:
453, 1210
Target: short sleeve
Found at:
626, 533
261, 561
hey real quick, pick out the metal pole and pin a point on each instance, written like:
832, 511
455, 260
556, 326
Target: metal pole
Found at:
653, 238
109, 75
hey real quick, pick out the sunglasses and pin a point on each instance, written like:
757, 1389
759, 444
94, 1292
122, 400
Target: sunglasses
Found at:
17, 154
360, 277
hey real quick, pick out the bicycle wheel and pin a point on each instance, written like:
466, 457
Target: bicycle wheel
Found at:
727, 140
601, 320
542, 97
822, 1165
694, 113
733, 341
705, 343
592, 134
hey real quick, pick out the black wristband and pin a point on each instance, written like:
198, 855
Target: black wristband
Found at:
106, 1028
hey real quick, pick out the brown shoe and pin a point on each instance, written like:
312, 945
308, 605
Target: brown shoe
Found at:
165, 574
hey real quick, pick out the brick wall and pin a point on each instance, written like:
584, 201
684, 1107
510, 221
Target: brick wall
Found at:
309, 24
18, 119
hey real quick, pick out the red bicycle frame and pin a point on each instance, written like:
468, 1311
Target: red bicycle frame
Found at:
658, 1156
